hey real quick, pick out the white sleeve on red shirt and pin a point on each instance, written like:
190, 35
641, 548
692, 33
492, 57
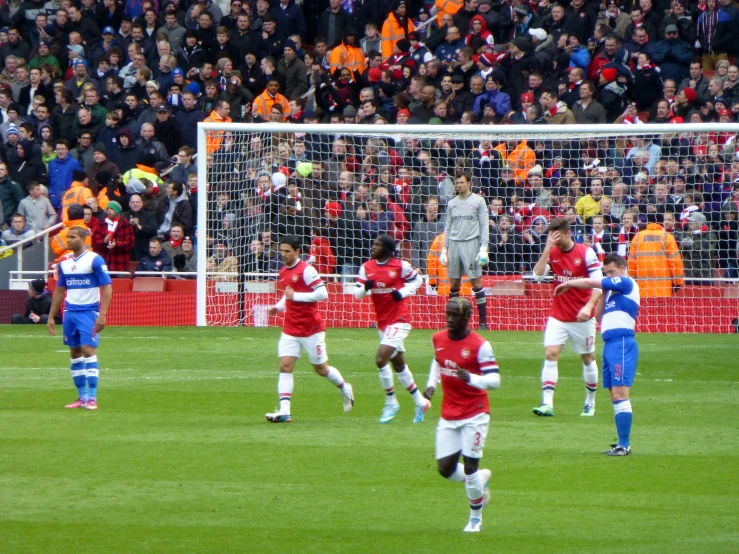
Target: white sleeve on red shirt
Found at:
539, 278
434, 374
311, 278
412, 279
593, 264
359, 291
280, 306
490, 378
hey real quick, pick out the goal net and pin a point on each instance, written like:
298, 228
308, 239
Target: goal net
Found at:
339, 187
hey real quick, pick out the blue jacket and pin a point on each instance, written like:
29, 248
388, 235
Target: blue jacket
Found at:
449, 51
291, 20
673, 56
161, 262
188, 121
580, 58
500, 102
60, 178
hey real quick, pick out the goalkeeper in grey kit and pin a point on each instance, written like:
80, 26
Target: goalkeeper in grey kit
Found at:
465, 248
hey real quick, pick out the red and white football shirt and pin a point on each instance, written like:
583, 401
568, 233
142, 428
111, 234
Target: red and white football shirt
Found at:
302, 318
473, 353
391, 275
579, 262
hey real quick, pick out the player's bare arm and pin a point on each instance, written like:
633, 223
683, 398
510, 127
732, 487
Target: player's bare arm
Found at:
104, 305
541, 265
56, 303
587, 312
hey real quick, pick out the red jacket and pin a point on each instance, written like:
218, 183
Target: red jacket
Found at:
116, 258
320, 249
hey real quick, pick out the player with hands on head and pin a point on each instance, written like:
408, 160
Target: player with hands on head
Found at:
82, 274
389, 281
465, 365
617, 311
465, 248
570, 317
304, 328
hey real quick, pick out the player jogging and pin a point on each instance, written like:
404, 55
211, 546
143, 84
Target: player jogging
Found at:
617, 312
390, 281
81, 275
571, 314
465, 364
466, 242
303, 330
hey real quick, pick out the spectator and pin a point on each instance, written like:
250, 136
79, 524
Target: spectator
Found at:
556, 112
11, 193
534, 239
143, 224
396, 27
438, 277
75, 218
37, 209
187, 260
587, 110
157, 259
506, 249
175, 208
425, 231
293, 70
222, 262
38, 306
673, 55
17, 231
114, 239
589, 205
698, 245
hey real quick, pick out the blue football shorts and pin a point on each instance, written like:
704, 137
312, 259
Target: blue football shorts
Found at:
79, 328
620, 356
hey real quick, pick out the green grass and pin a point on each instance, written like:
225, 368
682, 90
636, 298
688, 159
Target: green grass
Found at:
180, 459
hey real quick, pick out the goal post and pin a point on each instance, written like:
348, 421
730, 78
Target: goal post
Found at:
338, 186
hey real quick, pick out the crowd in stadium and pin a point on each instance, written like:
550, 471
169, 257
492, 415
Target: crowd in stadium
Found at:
99, 104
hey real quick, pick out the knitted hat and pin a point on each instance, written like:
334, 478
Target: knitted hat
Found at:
13, 129
279, 179
487, 59
522, 44
536, 170
403, 45
193, 88
334, 209
115, 206
77, 49
38, 286
78, 175
374, 75
540, 34
724, 112
405, 112
350, 111
178, 71
152, 84
100, 147
609, 74
291, 44
527, 97
690, 94
304, 169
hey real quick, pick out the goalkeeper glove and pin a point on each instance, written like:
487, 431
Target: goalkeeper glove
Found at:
368, 285
397, 295
482, 256
443, 259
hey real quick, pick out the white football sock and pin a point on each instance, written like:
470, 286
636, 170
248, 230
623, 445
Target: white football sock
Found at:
590, 376
549, 376
285, 390
406, 379
388, 384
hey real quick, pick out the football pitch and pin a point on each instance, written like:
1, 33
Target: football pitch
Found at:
180, 459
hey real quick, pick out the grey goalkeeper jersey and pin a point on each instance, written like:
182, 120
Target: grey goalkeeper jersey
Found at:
466, 219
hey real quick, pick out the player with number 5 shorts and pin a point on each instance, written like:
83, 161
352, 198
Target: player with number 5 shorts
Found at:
389, 281
303, 330
465, 365
617, 311
570, 318
465, 250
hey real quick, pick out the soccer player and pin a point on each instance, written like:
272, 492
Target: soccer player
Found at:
81, 275
390, 281
617, 312
571, 314
465, 364
304, 328
465, 248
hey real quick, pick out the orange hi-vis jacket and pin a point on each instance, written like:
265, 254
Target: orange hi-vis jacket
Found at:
520, 159
59, 241
78, 194
263, 103
448, 6
391, 33
655, 262
213, 139
350, 57
438, 275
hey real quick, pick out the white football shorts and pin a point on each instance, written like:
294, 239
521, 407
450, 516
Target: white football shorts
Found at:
582, 334
467, 435
315, 346
394, 335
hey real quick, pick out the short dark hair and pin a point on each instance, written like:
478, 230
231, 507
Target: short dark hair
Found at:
560, 224
160, 240
179, 188
292, 241
615, 259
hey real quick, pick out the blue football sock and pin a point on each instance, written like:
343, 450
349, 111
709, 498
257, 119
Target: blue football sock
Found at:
91, 371
77, 368
622, 409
